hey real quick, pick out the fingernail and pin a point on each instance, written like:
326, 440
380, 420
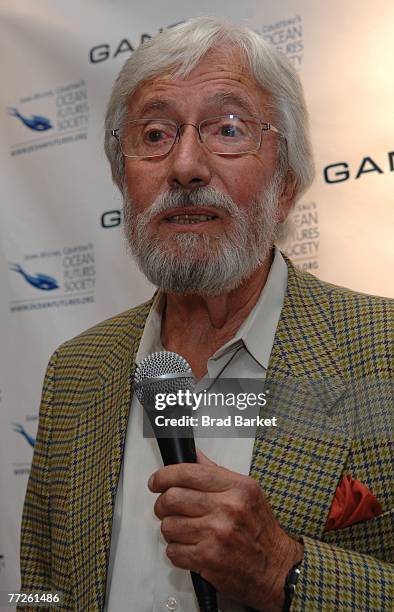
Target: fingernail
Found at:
150, 482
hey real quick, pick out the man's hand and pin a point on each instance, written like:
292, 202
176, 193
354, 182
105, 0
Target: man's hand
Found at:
219, 524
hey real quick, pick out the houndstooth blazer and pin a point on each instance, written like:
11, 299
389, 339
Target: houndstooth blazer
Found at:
325, 333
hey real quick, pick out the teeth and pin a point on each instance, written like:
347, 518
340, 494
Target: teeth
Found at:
187, 219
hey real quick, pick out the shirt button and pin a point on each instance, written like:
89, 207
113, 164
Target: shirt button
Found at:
171, 604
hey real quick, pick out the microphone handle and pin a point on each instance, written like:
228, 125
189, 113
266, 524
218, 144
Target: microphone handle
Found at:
205, 593
177, 450
183, 450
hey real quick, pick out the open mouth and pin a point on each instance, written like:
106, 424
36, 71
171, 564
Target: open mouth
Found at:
188, 219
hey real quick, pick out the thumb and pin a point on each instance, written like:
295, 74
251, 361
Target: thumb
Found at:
203, 459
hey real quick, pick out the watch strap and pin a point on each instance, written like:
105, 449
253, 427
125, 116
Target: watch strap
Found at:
290, 585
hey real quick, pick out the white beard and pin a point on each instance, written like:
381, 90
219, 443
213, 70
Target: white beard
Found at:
204, 264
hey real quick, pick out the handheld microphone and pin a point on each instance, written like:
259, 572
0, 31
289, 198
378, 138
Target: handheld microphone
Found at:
167, 372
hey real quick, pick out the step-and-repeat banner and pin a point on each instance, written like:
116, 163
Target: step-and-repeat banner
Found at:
63, 265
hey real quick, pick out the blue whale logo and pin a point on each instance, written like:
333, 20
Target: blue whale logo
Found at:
39, 281
20, 429
35, 122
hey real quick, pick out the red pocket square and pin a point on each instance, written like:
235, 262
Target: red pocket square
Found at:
353, 502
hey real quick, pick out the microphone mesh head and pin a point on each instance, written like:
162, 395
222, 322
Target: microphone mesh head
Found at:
160, 364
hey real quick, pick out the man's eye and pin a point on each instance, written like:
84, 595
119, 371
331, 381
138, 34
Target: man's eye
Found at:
154, 135
229, 131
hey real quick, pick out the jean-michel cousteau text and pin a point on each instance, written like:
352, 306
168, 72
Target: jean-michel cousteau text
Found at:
186, 408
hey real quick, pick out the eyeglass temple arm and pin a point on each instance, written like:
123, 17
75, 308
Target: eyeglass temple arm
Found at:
268, 126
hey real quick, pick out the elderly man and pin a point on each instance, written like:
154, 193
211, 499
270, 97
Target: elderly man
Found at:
207, 140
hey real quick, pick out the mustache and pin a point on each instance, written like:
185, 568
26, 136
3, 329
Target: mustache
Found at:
202, 196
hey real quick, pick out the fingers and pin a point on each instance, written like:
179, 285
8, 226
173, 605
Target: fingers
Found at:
184, 556
197, 476
203, 459
183, 502
201, 558
182, 530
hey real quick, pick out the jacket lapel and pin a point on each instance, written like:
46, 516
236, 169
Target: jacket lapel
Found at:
299, 464
95, 464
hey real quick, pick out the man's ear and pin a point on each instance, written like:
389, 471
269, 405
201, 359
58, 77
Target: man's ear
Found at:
287, 196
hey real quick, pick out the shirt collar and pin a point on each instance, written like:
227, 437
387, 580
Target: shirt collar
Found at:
257, 332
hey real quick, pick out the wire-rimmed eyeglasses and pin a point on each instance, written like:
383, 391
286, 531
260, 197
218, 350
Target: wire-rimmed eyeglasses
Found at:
224, 135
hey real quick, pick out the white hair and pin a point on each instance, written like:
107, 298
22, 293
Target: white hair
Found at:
178, 50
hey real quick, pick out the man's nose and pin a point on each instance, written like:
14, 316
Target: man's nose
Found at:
189, 160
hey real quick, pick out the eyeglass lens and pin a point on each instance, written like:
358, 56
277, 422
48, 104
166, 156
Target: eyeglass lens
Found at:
229, 134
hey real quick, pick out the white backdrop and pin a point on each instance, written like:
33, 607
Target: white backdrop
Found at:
62, 262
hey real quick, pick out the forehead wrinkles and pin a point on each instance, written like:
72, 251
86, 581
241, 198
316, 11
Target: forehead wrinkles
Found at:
161, 94
198, 75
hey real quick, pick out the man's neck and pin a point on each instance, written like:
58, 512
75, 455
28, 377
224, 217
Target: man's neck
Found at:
197, 326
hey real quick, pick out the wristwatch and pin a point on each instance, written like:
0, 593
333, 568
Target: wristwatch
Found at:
290, 585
